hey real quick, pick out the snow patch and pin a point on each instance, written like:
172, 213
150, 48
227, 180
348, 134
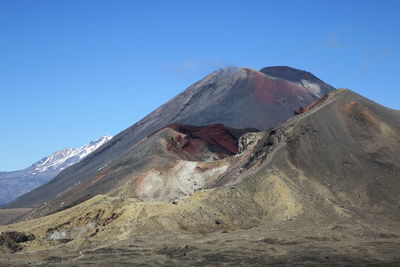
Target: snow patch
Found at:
312, 87
66, 157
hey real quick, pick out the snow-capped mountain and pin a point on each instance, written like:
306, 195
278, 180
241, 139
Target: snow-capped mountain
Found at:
64, 158
16, 183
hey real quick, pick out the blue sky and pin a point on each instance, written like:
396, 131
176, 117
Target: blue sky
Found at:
74, 70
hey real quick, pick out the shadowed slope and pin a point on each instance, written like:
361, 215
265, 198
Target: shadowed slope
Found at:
342, 156
300, 77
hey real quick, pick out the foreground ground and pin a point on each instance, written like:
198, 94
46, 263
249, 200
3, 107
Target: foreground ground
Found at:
293, 243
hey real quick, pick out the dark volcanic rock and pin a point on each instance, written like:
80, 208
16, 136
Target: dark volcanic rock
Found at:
10, 241
305, 78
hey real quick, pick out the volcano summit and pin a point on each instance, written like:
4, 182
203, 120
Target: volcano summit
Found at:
236, 97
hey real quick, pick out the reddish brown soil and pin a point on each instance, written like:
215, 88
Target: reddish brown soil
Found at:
358, 113
311, 106
269, 91
217, 136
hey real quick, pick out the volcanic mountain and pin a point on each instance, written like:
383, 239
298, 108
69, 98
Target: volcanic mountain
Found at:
235, 97
321, 188
173, 162
16, 183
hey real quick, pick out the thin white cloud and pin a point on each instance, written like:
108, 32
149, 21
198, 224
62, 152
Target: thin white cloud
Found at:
371, 58
194, 68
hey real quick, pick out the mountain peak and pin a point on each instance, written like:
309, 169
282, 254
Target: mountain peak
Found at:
101, 140
18, 182
63, 158
301, 77
289, 73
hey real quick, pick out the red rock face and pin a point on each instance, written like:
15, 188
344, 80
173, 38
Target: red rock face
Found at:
311, 106
217, 137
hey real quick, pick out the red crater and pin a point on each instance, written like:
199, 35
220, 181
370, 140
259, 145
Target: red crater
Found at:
217, 137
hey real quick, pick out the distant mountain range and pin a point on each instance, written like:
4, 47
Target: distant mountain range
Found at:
16, 183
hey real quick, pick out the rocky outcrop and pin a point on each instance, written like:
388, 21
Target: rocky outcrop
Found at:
11, 241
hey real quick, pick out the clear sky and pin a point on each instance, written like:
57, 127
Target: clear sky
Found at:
74, 70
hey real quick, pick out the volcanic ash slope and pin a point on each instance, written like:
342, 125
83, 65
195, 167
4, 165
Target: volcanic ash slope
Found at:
332, 168
236, 97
